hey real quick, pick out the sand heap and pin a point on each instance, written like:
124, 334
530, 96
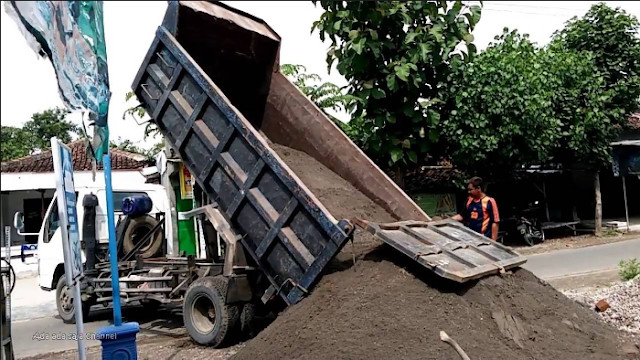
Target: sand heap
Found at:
387, 307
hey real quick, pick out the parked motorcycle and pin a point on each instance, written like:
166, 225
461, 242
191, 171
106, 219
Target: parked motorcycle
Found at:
524, 223
528, 225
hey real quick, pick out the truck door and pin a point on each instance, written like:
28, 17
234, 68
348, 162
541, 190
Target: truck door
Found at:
50, 252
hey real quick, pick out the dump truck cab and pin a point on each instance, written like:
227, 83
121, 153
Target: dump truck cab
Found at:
50, 254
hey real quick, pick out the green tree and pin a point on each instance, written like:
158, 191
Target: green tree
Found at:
397, 57
504, 116
16, 143
36, 133
611, 35
47, 124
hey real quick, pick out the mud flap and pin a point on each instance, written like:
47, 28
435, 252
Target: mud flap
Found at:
447, 248
239, 290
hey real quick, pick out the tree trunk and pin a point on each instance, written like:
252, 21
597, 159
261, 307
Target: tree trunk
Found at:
400, 177
598, 205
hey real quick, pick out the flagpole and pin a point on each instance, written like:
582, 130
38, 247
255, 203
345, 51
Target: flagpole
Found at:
113, 249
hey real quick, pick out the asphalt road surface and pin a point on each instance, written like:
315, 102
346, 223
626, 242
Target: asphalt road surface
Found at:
50, 334
589, 260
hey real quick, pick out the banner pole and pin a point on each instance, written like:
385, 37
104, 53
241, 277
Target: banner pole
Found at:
113, 250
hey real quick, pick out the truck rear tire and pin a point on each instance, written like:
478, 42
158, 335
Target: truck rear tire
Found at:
207, 318
64, 303
247, 326
138, 228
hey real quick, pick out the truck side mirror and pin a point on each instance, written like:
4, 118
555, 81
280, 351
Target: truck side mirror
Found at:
18, 221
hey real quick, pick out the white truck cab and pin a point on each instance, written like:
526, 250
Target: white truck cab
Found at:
50, 254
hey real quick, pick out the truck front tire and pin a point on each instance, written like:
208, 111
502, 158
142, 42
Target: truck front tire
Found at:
207, 317
64, 302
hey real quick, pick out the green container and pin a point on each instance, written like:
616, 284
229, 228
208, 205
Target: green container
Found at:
186, 228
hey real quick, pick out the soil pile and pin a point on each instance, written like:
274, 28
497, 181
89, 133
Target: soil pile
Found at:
388, 307
341, 198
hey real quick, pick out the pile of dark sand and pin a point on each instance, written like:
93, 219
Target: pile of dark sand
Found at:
388, 307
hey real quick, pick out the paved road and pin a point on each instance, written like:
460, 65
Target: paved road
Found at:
34, 315
594, 259
25, 333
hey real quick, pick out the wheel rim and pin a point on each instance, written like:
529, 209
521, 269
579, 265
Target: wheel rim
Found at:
66, 300
203, 314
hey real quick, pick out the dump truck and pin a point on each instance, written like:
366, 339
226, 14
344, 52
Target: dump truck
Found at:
210, 81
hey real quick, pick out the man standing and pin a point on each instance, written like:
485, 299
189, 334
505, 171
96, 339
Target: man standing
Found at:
481, 211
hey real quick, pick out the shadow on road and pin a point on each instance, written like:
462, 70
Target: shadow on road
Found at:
166, 320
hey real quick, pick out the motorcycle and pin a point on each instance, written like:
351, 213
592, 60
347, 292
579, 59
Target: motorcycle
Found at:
525, 223
528, 225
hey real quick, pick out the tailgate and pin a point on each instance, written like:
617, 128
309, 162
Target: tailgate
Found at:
447, 248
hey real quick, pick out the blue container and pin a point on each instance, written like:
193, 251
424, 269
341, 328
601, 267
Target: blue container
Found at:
119, 342
136, 205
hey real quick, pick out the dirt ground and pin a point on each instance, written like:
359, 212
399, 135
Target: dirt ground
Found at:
386, 306
575, 242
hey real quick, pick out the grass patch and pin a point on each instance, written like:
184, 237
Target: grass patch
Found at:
629, 269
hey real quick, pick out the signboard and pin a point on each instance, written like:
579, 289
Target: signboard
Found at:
186, 183
66, 197
65, 190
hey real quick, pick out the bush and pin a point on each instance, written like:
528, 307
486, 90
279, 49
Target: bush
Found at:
629, 269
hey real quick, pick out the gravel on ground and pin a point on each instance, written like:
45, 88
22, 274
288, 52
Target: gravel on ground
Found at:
623, 299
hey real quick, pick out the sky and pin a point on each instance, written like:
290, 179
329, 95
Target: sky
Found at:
29, 82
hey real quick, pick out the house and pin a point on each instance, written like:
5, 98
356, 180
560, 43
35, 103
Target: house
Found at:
28, 185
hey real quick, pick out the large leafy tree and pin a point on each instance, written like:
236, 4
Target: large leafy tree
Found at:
612, 37
36, 133
504, 116
47, 124
397, 57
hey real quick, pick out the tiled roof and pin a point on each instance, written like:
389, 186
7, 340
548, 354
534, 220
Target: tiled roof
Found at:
43, 162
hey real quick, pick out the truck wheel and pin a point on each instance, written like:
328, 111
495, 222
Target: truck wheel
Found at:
247, 327
208, 319
64, 302
137, 229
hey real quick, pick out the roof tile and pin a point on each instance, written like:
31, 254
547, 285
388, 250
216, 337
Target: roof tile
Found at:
43, 162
